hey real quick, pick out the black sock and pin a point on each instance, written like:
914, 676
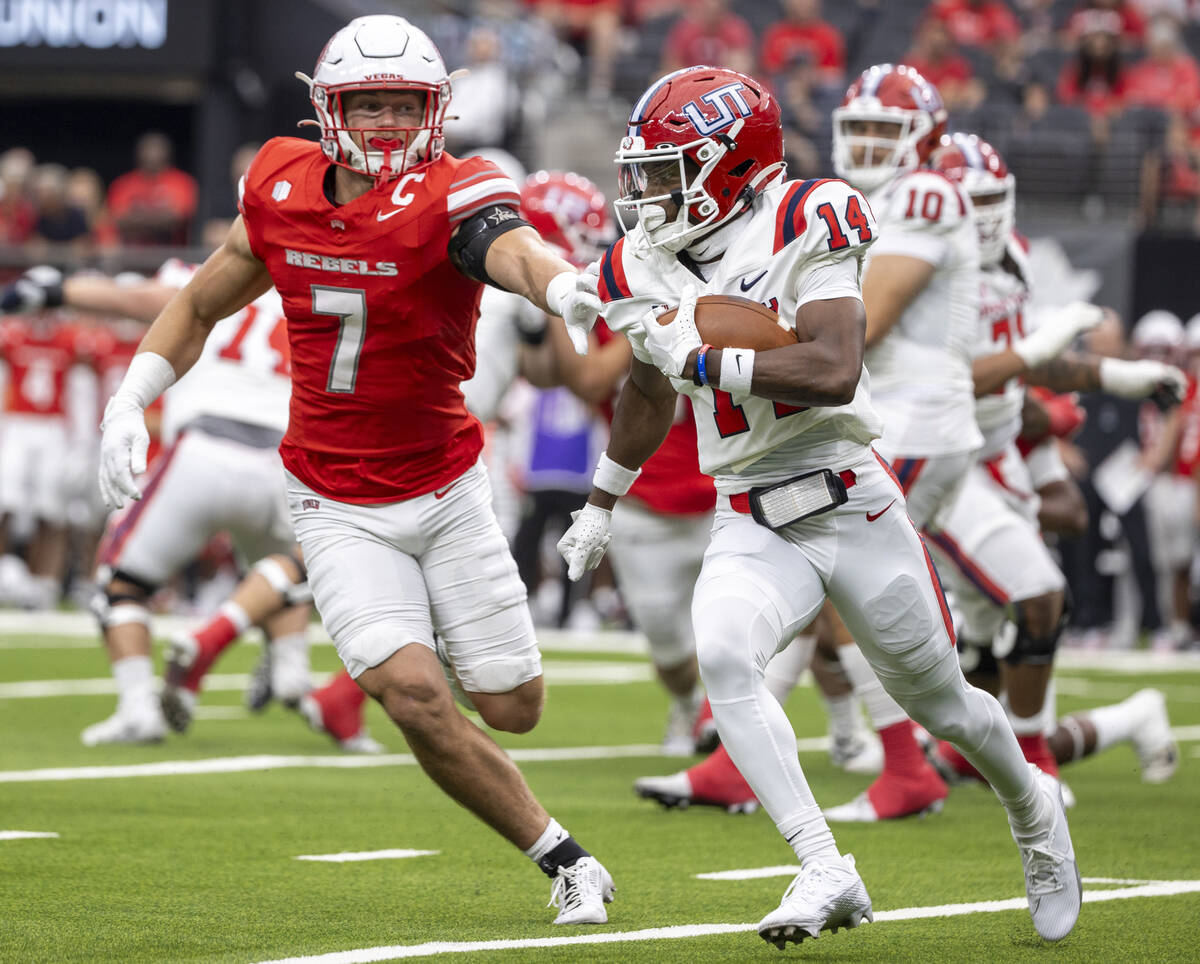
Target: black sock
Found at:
564, 855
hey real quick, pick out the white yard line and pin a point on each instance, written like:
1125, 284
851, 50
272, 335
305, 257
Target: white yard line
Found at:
1117, 691
557, 672
790, 870
354, 857
394, 952
28, 835
246, 764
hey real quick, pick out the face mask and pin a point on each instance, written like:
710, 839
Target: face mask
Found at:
653, 220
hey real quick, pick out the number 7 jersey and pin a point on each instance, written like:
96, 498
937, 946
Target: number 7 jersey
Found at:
803, 241
381, 325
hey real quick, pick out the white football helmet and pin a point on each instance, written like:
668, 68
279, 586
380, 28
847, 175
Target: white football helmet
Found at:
379, 52
1192, 333
969, 160
1158, 334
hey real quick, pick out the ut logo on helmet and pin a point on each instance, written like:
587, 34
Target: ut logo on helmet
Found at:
728, 103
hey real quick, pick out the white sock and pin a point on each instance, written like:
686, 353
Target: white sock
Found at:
786, 666
134, 676
1114, 724
1025, 725
236, 615
551, 837
843, 715
809, 835
882, 710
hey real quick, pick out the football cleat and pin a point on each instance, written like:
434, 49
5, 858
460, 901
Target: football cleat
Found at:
825, 895
1152, 740
681, 724
891, 797
342, 723
1052, 883
258, 694
144, 725
290, 675
951, 765
581, 891
704, 732
718, 785
178, 707
859, 752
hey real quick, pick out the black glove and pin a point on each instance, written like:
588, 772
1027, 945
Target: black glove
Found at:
39, 287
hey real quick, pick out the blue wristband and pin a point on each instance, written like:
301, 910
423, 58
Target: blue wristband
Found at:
701, 371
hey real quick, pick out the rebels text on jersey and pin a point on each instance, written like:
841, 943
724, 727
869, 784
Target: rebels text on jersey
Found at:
803, 241
381, 325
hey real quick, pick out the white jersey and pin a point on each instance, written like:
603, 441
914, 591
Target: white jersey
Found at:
802, 242
921, 370
497, 352
244, 372
1003, 307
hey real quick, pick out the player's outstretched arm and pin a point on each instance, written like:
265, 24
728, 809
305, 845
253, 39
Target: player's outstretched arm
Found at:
230, 279
642, 419
521, 261
555, 362
823, 369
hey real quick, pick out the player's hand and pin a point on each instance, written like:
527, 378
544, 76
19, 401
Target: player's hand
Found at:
39, 287
123, 447
669, 345
575, 296
1143, 379
1057, 332
583, 545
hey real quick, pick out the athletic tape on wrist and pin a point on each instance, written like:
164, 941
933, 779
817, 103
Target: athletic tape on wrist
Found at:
737, 371
612, 477
148, 376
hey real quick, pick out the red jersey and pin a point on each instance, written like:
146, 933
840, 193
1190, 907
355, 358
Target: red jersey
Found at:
381, 325
1187, 453
39, 354
671, 482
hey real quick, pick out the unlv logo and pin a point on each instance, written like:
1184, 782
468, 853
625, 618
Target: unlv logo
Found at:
727, 101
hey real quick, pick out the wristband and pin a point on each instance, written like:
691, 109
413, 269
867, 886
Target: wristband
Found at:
612, 477
148, 376
701, 372
737, 371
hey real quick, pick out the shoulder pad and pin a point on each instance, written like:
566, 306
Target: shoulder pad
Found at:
825, 217
477, 184
924, 201
614, 285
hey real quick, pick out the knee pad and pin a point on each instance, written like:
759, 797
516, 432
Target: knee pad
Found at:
499, 675
116, 607
735, 639
293, 593
1016, 645
975, 656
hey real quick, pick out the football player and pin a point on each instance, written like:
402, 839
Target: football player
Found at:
806, 509
221, 471
379, 244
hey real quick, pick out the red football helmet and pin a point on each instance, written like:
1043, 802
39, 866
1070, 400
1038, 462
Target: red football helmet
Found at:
569, 212
727, 125
971, 161
886, 94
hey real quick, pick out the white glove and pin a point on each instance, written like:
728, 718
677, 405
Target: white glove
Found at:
1057, 332
39, 287
575, 296
670, 345
123, 448
583, 545
1139, 379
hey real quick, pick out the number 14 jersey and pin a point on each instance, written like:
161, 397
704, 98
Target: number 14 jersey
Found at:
803, 241
381, 324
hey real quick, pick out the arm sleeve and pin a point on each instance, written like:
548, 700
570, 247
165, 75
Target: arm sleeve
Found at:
828, 281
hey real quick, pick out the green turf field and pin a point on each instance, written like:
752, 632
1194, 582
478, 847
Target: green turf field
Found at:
202, 866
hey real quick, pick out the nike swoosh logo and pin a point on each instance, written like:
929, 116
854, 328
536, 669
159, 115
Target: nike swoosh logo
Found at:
383, 217
872, 518
747, 287
442, 492
738, 359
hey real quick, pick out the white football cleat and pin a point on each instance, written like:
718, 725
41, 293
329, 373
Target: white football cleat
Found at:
1152, 741
1052, 883
825, 895
178, 707
290, 672
581, 891
860, 752
128, 725
258, 694
362, 742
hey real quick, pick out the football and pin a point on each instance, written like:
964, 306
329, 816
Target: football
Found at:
727, 321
